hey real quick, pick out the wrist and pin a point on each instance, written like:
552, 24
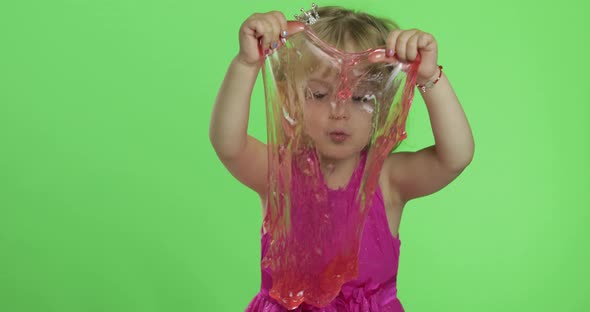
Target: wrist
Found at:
423, 85
424, 80
245, 64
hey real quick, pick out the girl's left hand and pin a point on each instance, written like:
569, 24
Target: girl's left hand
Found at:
404, 45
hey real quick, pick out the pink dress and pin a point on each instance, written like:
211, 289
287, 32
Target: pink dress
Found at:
374, 289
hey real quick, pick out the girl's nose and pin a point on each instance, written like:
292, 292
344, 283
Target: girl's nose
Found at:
339, 107
339, 110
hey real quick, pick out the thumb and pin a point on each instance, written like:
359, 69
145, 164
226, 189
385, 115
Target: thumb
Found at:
294, 27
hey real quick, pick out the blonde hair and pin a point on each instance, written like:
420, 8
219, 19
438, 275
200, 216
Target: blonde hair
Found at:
338, 25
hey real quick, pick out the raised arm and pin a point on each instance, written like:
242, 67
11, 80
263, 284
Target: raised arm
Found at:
420, 173
244, 156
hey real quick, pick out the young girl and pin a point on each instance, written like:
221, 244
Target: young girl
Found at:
403, 176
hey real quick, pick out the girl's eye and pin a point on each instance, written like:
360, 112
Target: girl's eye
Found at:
316, 95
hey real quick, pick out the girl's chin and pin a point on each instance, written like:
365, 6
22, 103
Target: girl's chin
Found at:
337, 152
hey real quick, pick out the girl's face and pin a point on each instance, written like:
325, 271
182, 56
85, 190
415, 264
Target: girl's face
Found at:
338, 118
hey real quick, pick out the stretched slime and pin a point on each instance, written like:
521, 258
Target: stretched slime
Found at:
314, 238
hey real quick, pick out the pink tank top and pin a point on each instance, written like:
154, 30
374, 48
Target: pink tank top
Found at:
374, 289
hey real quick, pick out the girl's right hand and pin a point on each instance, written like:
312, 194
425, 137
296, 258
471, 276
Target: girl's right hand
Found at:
261, 32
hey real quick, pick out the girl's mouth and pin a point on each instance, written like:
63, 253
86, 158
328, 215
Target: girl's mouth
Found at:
338, 136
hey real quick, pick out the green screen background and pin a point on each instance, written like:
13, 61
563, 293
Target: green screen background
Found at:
112, 198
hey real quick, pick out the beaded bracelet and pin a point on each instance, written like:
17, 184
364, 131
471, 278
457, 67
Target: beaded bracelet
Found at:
430, 84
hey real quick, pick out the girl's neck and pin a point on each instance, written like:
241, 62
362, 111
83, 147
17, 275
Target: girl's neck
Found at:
337, 172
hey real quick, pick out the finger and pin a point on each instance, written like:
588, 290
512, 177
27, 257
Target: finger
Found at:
400, 45
250, 26
277, 27
380, 55
294, 27
412, 47
426, 42
266, 33
273, 30
255, 28
282, 21
391, 42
